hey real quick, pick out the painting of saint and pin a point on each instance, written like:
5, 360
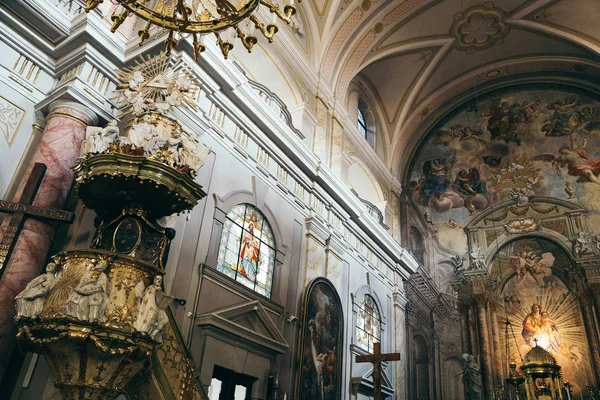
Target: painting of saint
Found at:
320, 373
249, 254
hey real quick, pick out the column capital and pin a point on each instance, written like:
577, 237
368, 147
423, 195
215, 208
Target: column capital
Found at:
595, 289
480, 299
400, 299
84, 114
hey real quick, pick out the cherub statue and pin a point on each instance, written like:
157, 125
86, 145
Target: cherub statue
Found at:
87, 301
31, 300
152, 317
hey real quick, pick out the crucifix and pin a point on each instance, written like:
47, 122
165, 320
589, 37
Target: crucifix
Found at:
24, 209
376, 358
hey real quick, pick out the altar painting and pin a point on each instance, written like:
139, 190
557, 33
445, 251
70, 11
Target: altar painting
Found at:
508, 146
541, 310
320, 374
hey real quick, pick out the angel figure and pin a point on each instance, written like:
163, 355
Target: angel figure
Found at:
136, 80
87, 301
528, 262
30, 301
152, 317
577, 162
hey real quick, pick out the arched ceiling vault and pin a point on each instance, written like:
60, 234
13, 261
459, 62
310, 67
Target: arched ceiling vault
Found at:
415, 54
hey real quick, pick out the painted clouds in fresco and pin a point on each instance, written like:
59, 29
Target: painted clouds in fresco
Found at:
512, 146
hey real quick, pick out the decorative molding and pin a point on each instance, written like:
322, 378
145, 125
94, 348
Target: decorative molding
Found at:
11, 118
478, 28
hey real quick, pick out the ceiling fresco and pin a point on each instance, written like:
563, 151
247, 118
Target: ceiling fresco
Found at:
512, 146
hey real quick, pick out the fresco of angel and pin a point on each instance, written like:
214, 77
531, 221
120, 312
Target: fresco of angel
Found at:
577, 162
565, 117
533, 264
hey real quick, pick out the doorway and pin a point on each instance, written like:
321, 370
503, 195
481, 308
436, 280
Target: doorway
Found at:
227, 384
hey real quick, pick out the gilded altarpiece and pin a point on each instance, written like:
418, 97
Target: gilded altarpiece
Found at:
541, 309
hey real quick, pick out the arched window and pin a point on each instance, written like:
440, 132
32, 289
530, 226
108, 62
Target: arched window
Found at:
416, 244
368, 323
366, 125
362, 123
247, 249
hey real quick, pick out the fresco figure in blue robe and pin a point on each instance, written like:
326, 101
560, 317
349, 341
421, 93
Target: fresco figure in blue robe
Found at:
470, 183
435, 178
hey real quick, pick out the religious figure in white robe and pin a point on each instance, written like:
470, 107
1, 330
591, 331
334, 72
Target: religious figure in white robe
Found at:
31, 300
87, 301
152, 317
98, 140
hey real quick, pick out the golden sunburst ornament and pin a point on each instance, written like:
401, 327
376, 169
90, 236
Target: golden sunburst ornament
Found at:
154, 85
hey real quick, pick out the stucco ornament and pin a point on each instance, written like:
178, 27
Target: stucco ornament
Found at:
522, 225
30, 301
479, 27
152, 88
154, 85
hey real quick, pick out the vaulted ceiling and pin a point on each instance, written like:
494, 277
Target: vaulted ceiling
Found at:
414, 55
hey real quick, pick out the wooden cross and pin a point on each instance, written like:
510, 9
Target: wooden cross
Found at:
376, 358
23, 209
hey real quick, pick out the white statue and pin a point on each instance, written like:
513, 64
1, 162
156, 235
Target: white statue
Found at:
87, 301
582, 244
192, 153
31, 300
136, 80
97, 139
152, 316
477, 257
140, 135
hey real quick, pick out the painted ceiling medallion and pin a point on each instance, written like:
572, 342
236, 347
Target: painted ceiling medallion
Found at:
479, 27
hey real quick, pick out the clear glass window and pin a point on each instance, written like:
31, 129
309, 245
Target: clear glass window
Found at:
362, 123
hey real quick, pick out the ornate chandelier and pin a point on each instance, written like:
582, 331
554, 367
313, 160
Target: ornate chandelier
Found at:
197, 18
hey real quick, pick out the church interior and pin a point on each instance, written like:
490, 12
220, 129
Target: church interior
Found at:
311, 200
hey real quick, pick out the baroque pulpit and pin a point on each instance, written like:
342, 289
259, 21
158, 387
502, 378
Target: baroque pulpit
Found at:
99, 315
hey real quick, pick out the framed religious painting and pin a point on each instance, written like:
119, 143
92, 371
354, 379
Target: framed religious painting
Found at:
319, 375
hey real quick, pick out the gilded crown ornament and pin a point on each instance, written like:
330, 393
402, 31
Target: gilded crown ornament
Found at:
197, 18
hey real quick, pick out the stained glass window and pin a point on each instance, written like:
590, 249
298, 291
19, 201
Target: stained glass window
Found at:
368, 323
247, 249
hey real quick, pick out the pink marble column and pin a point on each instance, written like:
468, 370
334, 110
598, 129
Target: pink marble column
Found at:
484, 346
59, 150
465, 328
